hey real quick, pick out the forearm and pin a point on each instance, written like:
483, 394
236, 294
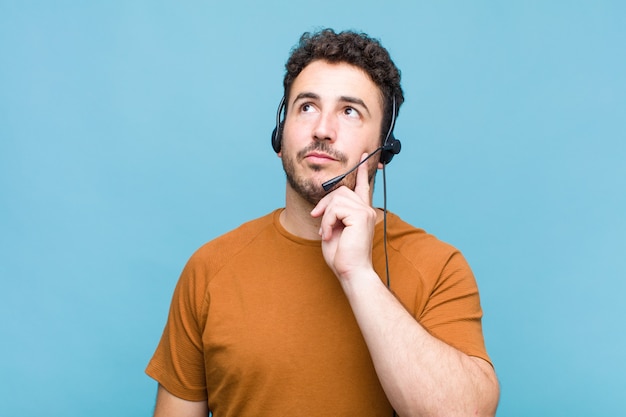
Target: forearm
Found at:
168, 405
421, 375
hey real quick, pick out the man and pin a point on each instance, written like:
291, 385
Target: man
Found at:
311, 309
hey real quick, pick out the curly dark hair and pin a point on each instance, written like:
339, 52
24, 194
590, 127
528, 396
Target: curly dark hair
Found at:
353, 48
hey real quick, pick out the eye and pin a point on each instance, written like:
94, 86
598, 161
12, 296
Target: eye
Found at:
307, 108
351, 112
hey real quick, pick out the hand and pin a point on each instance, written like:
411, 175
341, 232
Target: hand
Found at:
347, 227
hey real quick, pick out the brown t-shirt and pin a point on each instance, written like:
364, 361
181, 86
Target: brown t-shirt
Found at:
260, 326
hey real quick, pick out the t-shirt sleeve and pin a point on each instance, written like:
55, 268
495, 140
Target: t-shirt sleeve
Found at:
178, 362
453, 312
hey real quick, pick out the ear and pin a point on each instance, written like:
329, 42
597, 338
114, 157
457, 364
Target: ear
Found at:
380, 165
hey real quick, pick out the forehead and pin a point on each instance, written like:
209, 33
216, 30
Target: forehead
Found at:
333, 80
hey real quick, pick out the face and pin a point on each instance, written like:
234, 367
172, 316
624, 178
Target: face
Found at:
334, 116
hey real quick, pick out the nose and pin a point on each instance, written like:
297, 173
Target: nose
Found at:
326, 127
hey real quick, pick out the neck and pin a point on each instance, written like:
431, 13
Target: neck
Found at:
297, 219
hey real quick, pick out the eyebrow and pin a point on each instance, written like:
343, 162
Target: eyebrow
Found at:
355, 100
345, 99
306, 95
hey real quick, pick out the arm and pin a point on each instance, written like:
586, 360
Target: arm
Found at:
420, 374
178, 360
168, 405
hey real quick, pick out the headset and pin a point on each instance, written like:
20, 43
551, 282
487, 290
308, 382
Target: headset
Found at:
390, 147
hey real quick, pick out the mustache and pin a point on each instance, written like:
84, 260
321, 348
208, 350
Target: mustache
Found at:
322, 147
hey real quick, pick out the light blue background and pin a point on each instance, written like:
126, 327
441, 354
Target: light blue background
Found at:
131, 132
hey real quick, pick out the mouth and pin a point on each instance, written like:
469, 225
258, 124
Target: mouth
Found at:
320, 154
319, 157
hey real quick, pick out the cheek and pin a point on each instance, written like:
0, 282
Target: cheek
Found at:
293, 138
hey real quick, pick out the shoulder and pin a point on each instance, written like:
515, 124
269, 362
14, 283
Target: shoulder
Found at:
425, 257
415, 242
433, 277
228, 245
206, 262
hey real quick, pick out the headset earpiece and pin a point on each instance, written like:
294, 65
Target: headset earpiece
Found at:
276, 138
391, 145
277, 133
390, 148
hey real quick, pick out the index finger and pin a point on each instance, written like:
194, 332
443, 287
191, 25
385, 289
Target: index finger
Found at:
362, 187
